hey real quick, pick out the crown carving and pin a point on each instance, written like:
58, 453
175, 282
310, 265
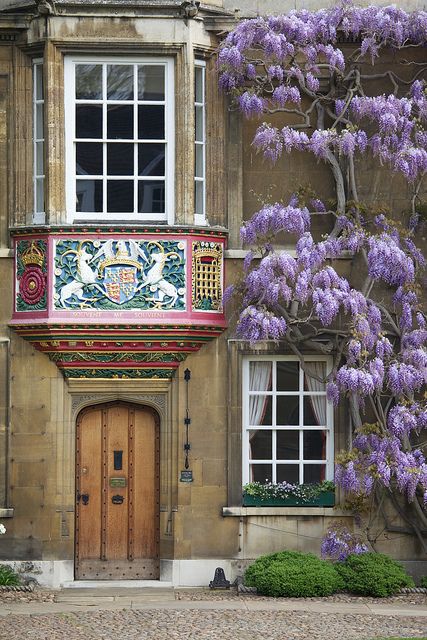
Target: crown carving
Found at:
33, 255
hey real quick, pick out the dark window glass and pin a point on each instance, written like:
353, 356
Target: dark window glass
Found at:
287, 376
260, 410
120, 159
151, 122
89, 195
287, 445
315, 411
198, 84
287, 473
261, 473
151, 82
151, 159
314, 445
120, 82
260, 445
287, 411
88, 121
314, 473
151, 196
119, 121
120, 196
89, 158
89, 82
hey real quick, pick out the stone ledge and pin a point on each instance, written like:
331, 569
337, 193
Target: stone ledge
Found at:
284, 511
6, 513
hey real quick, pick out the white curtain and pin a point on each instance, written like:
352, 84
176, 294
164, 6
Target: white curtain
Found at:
259, 380
318, 403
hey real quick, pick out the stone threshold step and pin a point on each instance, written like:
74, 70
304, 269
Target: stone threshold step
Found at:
117, 584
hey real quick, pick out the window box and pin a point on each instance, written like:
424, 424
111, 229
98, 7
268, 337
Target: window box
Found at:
325, 499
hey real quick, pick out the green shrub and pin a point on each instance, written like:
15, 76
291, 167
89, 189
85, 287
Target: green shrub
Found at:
8, 577
293, 574
423, 582
373, 574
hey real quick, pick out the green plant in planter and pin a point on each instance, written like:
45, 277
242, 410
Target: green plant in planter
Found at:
8, 577
299, 493
423, 582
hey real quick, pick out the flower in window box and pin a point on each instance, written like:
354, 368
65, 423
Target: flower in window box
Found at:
286, 494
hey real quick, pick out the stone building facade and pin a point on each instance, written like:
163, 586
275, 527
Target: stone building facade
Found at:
124, 179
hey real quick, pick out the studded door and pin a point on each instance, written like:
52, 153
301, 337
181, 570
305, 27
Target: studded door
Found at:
117, 493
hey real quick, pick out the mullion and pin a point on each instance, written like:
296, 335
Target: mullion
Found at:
104, 137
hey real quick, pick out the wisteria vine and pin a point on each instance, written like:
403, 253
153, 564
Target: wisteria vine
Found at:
378, 340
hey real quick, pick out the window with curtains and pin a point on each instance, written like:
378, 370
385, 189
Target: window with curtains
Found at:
119, 138
287, 421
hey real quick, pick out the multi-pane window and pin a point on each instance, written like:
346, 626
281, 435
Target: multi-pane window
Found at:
287, 430
200, 143
120, 139
38, 142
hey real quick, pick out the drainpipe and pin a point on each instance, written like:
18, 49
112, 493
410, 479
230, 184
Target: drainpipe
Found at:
6, 341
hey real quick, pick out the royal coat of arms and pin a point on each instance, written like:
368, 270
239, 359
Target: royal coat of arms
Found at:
133, 274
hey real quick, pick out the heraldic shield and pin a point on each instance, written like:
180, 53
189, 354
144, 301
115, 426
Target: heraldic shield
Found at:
120, 282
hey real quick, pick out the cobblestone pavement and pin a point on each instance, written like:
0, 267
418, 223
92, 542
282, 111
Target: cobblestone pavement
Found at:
228, 624
195, 614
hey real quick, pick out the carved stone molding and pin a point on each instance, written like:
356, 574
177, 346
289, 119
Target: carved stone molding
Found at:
80, 401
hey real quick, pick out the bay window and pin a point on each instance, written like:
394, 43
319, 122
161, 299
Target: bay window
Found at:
120, 139
287, 421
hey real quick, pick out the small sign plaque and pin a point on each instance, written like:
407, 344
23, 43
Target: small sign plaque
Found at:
186, 476
117, 482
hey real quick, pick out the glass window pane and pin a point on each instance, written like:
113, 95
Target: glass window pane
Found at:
260, 447
198, 82
151, 196
314, 445
151, 122
199, 124
315, 411
89, 196
119, 121
287, 376
88, 121
260, 410
199, 168
198, 197
89, 158
89, 82
287, 411
318, 369
120, 82
120, 196
287, 445
287, 473
151, 82
314, 473
120, 159
39, 132
260, 376
151, 159
38, 81
39, 204
261, 473
39, 158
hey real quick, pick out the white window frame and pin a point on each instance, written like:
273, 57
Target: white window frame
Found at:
329, 427
39, 217
200, 218
70, 154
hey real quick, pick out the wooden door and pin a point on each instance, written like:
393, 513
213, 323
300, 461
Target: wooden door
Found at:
117, 493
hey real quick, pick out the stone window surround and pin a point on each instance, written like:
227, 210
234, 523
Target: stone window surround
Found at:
184, 58
300, 462
238, 350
